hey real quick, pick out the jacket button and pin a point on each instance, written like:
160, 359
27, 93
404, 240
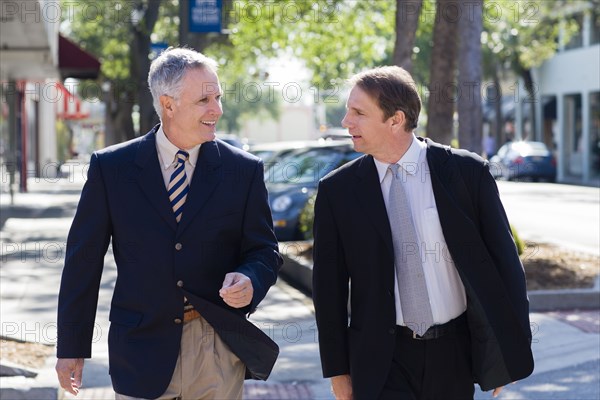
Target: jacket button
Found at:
180, 283
178, 246
392, 331
177, 320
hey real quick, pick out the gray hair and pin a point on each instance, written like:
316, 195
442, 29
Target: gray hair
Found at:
168, 69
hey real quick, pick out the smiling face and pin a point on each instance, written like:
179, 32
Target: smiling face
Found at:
190, 118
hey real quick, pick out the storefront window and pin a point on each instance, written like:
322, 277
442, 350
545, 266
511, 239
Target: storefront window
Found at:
573, 135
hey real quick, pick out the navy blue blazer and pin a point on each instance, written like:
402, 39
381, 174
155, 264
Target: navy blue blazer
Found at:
353, 242
226, 226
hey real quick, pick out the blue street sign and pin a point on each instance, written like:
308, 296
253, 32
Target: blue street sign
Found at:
205, 15
156, 48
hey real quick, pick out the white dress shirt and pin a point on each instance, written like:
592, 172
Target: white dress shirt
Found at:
166, 155
446, 291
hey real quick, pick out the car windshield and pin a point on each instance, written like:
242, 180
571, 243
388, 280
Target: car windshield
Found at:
302, 167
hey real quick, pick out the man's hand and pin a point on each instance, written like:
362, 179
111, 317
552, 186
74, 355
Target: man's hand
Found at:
341, 386
497, 391
70, 371
237, 290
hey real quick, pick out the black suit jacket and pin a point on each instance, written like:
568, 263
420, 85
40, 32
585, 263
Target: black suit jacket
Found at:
226, 226
353, 244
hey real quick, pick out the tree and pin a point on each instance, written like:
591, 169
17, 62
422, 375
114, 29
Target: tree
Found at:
522, 35
470, 121
119, 34
407, 22
141, 29
440, 109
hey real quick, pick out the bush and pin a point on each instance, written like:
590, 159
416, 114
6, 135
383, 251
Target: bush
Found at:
307, 218
518, 241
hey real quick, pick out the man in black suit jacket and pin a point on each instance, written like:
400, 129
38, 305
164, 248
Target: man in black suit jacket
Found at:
194, 246
475, 325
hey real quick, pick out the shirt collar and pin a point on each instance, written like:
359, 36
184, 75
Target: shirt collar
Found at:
411, 157
168, 150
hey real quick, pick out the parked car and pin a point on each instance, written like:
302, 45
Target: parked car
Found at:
524, 160
271, 152
294, 178
232, 140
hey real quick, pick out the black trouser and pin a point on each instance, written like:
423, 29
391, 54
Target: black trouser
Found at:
434, 369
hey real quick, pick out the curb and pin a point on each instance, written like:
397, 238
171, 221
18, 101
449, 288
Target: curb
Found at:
42, 393
568, 299
295, 269
298, 272
43, 387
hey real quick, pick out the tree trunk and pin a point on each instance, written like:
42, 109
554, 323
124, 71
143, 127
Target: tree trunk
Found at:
531, 100
407, 22
140, 63
118, 122
470, 122
440, 109
499, 118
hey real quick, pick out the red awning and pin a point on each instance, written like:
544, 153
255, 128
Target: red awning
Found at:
67, 104
74, 62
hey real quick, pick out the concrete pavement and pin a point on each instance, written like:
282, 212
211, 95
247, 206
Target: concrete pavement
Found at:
566, 344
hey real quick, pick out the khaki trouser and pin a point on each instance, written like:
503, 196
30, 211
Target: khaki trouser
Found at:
206, 369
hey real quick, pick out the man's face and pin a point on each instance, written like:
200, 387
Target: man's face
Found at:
365, 122
195, 112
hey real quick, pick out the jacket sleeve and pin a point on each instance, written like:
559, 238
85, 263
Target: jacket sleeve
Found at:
496, 233
259, 251
87, 243
330, 289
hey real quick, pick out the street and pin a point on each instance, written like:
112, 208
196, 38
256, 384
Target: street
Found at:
565, 344
565, 215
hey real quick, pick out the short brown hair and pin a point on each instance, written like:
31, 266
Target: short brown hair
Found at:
394, 89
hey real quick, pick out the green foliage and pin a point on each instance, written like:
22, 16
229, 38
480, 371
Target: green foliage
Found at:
307, 218
333, 38
63, 142
518, 241
102, 29
523, 34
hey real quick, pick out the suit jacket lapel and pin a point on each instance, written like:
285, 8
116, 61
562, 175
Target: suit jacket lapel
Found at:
368, 192
207, 175
150, 178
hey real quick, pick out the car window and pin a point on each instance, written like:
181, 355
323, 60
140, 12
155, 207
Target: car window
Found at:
302, 167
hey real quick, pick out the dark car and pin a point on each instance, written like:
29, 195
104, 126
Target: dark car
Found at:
272, 152
294, 178
524, 161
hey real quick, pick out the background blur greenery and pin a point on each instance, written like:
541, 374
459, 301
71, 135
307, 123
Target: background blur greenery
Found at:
333, 39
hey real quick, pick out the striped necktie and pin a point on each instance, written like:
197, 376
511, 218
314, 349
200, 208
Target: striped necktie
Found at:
412, 288
178, 186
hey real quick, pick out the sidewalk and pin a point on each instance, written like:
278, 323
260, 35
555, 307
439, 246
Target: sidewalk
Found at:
33, 236
33, 233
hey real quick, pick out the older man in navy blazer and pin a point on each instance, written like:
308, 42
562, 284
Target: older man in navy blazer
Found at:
194, 246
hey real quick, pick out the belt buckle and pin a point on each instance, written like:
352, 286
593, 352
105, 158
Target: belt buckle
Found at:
416, 337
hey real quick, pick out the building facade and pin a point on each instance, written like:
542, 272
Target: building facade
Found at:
569, 100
